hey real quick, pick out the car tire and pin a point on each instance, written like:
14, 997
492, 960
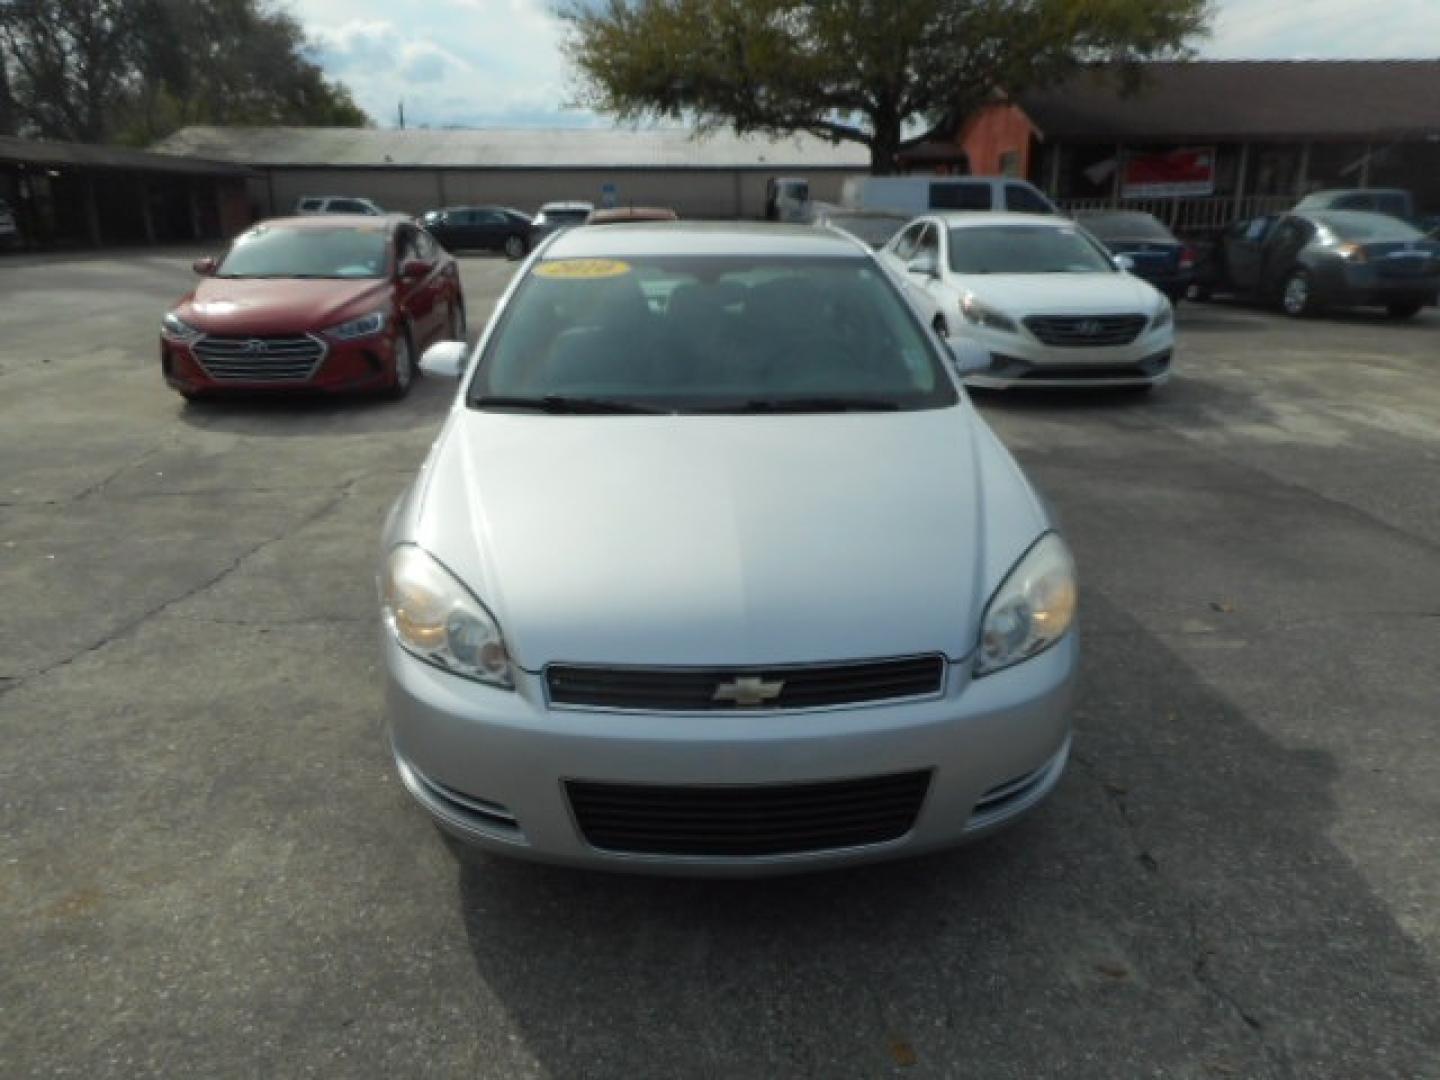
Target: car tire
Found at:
1406, 309
515, 247
1201, 294
405, 369
1297, 297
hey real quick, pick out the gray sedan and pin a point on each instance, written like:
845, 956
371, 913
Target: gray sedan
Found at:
713, 568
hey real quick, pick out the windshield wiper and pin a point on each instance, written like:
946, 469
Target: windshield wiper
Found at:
559, 403
808, 405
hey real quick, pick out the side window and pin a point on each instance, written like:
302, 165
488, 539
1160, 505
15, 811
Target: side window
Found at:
952, 196
310, 204
425, 246
1019, 197
348, 206
488, 217
929, 246
407, 245
1258, 229
905, 246
1355, 202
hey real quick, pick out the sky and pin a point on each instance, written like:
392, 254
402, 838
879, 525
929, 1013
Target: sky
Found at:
497, 63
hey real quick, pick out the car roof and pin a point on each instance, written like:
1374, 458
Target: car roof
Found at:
701, 238
961, 219
330, 221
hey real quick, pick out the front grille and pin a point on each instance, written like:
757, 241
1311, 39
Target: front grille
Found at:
705, 690
747, 822
260, 359
1086, 331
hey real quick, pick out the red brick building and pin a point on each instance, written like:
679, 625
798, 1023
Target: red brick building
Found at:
1204, 142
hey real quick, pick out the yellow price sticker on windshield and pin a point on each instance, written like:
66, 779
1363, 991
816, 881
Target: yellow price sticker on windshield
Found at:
582, 269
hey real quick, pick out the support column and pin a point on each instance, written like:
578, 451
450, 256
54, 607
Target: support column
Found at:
1055, 152
1117, 182
92, 211
1302, 177
146, 218
1365, 166
1242, 177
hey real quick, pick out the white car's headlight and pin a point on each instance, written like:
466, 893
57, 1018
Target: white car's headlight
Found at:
436, 618
979, 314
1032, 609
358, 328
176, 327
1165, 317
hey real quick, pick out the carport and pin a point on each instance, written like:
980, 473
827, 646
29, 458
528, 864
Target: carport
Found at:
78, 195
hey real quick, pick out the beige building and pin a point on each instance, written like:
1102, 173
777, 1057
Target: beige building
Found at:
721, 175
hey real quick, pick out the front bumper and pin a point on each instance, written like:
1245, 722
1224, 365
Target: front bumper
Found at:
1022, 360
490, 766
361, 364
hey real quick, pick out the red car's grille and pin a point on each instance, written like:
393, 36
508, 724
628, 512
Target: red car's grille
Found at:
259, 359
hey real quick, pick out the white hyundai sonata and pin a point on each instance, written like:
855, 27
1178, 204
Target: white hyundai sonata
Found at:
713, 568
1040, 295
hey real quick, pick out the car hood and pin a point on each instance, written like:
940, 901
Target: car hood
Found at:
1062, 294
279, 305
726, 540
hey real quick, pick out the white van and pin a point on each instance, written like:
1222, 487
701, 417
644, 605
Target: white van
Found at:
922, 194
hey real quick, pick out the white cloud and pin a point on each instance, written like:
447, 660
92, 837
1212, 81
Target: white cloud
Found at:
1325, 29
498, 62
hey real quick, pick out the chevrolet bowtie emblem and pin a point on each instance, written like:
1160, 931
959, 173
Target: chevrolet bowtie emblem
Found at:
749, 690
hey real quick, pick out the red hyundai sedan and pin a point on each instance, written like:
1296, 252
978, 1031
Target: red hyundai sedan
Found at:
315, 303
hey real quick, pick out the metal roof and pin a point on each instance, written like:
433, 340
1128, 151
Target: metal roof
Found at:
512, 148
1247, 99
52, 154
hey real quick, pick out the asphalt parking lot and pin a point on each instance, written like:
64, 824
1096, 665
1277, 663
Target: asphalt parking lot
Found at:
208, 867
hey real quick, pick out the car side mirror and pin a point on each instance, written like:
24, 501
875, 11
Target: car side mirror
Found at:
968, 357
924, 266
411, 269
205, 267
445, 359
1125, 264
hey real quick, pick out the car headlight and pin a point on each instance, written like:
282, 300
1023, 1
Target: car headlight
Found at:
1032, 609
361, 327
436, 618
1164, 318
978, 314
176, 327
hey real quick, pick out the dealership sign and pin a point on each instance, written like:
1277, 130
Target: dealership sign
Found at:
1172, 174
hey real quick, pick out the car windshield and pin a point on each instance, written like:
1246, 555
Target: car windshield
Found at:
873, 229
1361, 225
343, 252
1025, 249
1126, 227
710, 334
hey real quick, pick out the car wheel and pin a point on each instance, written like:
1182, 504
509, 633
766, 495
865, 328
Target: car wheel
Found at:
1201, 294
515, 247
403, 375
1405, 309
1298, 298
455, 326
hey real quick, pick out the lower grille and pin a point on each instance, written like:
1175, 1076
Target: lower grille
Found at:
700, 690
260, 359
1086, 331
747, 822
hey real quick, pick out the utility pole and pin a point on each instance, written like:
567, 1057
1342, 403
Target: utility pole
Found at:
402, 114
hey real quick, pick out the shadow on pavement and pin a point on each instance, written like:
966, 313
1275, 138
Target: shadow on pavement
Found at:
289, 414
1175, 909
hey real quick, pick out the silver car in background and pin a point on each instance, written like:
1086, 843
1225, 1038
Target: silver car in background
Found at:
713, 568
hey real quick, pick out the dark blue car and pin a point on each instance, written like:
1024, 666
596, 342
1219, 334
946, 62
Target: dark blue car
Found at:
1156, 254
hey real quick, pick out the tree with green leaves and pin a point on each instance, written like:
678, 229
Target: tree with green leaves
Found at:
135, 70
864, 71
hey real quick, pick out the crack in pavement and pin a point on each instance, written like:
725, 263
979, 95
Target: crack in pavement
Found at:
342, 493
1116, 794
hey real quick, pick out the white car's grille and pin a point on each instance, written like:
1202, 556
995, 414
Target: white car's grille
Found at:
260, 359
1086, 331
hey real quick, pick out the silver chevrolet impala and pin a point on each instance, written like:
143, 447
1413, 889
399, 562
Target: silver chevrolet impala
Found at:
713, 568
